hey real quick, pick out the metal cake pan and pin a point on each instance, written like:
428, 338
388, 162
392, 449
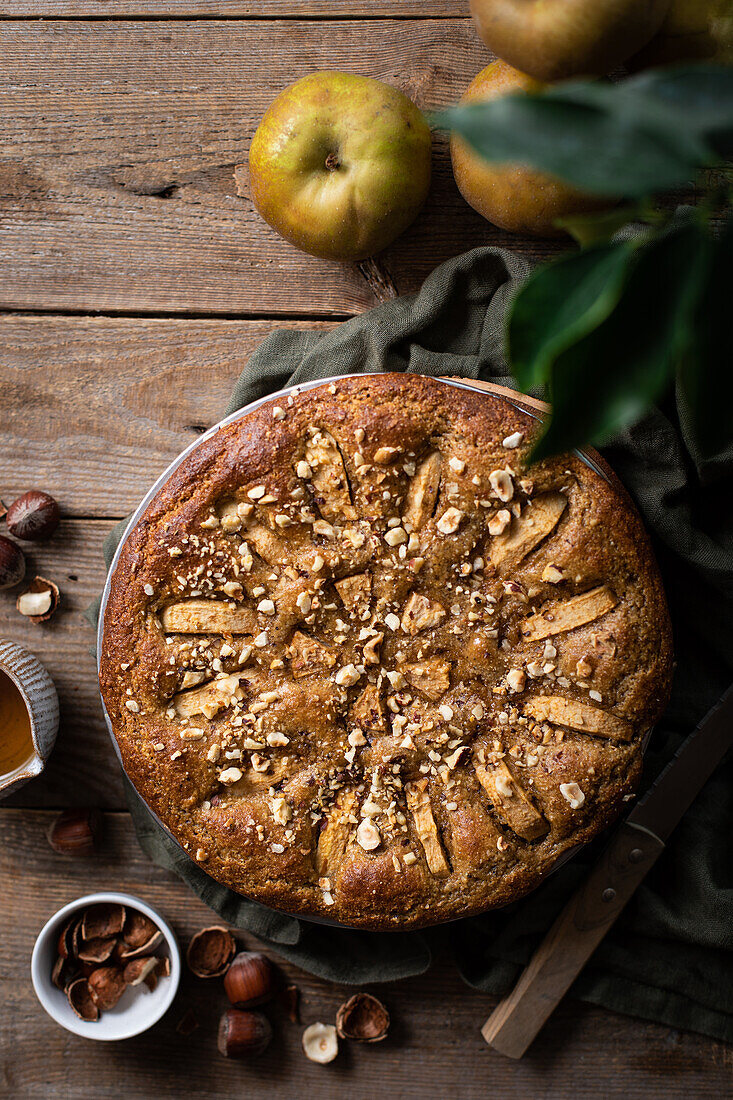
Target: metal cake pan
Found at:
517, 401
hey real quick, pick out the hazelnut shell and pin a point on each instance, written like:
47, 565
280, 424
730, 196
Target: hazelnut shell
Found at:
243, 1034
12, 563
106, 985
250, 980
33, 517
75, 832
97, 950
137, 970
210, 952
38, 587
80, 998
106, 918
363, 1018
138, 929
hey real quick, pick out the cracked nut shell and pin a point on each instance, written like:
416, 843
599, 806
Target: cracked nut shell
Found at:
104, 919
75, 832
210, 952
250, 980
39, 601
243, 1034
12, 563
33, 517
137, 970
363, 1018
80, 998
106, 986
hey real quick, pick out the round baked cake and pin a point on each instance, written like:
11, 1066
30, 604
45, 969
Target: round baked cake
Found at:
364, 663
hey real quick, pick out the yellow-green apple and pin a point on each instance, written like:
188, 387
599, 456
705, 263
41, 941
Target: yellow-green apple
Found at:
556, 39
519, 199
340, 164
693, 30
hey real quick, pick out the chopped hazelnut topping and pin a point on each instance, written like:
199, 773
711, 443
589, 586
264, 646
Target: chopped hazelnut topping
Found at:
502, 484
230, 775
347, 676
516, 679
572, 793
499, 523
367, 835
450, 521
513, 440
552, 575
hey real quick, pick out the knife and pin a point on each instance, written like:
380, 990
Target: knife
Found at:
633, 851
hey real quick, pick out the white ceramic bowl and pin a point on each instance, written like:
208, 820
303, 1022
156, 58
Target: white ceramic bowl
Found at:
137, 1009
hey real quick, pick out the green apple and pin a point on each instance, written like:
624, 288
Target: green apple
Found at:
555, 39
340, 165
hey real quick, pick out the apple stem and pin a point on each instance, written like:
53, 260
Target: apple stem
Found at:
332, 162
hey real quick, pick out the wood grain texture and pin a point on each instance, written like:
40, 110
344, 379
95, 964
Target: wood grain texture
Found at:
94, 409
119, 144
239, 9
434, 1048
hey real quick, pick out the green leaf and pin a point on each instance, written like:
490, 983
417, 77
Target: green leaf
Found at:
647, 134
599, 227
607, 379
560, 303
706, 376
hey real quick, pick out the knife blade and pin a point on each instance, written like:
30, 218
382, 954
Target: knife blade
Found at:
592, 910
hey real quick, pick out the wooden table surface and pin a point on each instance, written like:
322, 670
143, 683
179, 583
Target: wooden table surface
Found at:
134, 284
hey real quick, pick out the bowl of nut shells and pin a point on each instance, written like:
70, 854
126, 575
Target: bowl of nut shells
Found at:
106, 966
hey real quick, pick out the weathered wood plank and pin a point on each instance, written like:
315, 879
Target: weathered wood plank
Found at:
231, 9
434, 1048
94, 409
119, 142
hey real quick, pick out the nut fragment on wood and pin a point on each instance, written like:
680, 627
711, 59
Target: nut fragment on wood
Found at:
211, 951
39, 601
363, 1018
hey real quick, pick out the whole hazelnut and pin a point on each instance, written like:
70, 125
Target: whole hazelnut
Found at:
12, 563
250, 980
75, 832
243, 1034
33, 517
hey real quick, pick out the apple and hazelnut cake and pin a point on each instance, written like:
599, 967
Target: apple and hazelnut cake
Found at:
365, 663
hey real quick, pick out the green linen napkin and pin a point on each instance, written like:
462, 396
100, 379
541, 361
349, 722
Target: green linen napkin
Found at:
670, 955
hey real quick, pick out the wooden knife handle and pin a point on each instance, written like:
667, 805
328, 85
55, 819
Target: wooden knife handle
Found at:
571, 941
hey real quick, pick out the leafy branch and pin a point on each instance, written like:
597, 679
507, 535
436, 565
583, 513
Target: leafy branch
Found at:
605, 331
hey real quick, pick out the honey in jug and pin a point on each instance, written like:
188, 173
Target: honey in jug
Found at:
16, 742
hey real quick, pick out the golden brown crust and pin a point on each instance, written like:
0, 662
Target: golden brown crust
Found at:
370, 729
